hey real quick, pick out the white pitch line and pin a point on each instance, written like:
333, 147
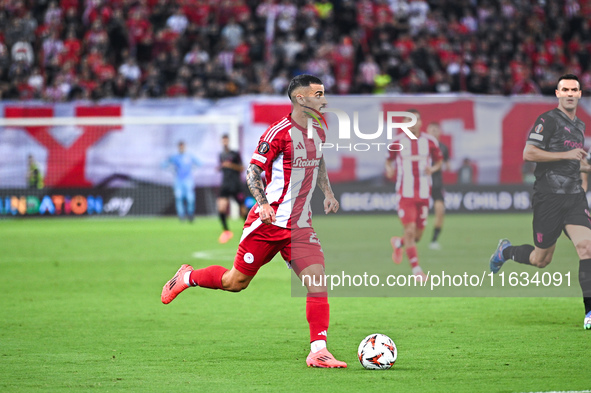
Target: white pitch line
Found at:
213, 254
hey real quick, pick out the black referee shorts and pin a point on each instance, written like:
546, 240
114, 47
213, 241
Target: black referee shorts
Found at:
552, 212
232, 190
437, 193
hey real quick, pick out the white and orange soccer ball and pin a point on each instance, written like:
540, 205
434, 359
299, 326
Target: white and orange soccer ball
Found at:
377, 352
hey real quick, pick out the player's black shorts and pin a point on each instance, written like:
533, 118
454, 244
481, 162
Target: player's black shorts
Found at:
437, 193
232, 190
552, 212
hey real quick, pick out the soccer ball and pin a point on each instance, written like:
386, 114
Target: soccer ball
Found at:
377, 352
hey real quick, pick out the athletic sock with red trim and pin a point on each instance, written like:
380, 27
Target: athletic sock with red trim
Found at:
318, 315
209, 277
413, 258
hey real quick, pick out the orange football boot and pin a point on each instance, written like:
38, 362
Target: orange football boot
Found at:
324, 359
175, 285
396, 243
225, 237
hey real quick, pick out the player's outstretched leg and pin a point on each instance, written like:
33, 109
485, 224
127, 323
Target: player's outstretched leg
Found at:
175, 285
587, 321
397, 243
497, 259
209, 277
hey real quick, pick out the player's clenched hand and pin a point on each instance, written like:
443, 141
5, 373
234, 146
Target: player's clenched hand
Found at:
331, 205
267, 214
575, 154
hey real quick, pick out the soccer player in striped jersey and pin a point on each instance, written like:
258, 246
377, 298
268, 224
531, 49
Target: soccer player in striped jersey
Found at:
414, 164
280, 222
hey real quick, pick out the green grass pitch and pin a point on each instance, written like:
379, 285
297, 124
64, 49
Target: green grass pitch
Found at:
80, 311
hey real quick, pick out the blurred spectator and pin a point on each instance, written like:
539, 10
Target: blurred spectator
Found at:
72, 47
23, 52
56, 92
119, 86
178, 21
97, 37
54, 14
19, 31
343, 58
417, 12
36, 82
140, 35
130, 71
160, 14
118, 36
291, 48
4, 62
324, 9
232, 33
177, 89
287, 14
53, 47
368, 70
196, 56
280, 82
34, 175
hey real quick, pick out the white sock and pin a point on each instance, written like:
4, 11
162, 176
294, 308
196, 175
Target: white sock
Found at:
186, 278
416, 270
317, 345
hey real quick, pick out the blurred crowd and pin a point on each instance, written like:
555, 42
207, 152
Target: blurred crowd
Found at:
60, 50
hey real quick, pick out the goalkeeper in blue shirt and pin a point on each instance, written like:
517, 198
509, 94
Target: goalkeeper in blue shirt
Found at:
184, 186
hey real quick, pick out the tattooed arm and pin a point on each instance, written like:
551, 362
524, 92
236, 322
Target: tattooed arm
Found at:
330, 202
255, 185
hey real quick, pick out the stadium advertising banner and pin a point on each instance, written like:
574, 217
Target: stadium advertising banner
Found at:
361, 198
143, 200
487, 132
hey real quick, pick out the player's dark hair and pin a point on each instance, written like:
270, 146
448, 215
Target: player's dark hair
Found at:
569, 77
415, 111
303, 80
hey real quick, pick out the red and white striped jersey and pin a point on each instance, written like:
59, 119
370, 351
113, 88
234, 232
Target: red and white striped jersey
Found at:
290, 160
416, 155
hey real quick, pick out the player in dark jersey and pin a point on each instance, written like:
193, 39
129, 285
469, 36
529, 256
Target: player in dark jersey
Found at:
231, 167
437, 190
555, 144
